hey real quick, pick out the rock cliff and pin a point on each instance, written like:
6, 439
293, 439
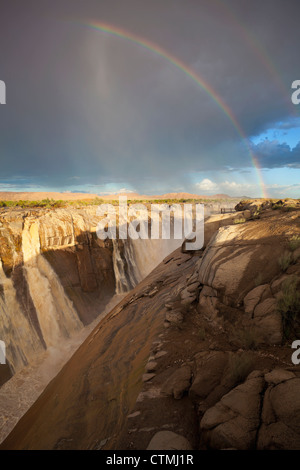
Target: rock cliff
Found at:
198, 355
55, 275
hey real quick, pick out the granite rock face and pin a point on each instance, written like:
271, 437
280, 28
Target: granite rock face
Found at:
55, 274
218, 377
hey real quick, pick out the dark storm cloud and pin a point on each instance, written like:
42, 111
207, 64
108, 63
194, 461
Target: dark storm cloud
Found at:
85, 107
293, 123
273, 154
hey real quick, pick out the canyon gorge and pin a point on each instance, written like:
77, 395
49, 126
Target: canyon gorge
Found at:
167, 331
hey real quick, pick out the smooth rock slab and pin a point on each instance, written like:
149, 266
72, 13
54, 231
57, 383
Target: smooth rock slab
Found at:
134, 415
160, 354
151, 366
147, 377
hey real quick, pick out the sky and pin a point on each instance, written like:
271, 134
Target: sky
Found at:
162, 96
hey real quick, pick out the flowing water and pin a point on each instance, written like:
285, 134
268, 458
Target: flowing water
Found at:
60, 325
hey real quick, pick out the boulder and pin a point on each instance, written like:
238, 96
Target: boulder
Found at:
276, 286
147, 377
168, 440
209, 292
280, 427
235, 255
193, 287
160, 354
174, 316
268, 322
253, 298
178, 383
277, 376
151, 366
210, 370
187, 301
208, 305
234, 420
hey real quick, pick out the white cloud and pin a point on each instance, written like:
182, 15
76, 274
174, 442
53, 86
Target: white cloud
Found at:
207, 185
116, 191
232, 188
276, 190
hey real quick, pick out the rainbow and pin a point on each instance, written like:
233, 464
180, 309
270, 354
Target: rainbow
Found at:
159, 51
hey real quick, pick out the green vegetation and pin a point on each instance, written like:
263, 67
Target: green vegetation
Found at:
43, 203
239, 221
51, 203
201, 334
294, 242
285, 260
249, 338
240, 366
245, 338
289, 208
256, 214
288, 258
288, 305
258, 280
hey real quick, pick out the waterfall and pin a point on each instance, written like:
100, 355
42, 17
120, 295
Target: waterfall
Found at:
139, 259
56, 314
126, 271
149, 253
133, 271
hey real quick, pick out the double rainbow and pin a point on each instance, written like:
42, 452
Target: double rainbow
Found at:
159, 51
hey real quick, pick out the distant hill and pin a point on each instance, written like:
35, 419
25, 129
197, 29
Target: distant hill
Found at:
75, 196
192, 196
38, 196
166, 196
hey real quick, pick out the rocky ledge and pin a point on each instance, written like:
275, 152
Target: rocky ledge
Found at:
197, 356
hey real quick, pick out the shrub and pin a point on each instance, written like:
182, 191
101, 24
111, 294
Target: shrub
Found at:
201, 334
249, 338
285, 260
256, 214
240, 366
288, 305
294, 242
245, 338
239, 221
258, 280
289, 208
